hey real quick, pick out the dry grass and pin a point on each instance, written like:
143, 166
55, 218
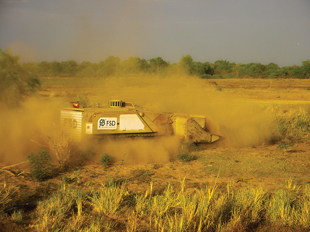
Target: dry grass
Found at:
175, 209
293, 124
6, 193
62, 147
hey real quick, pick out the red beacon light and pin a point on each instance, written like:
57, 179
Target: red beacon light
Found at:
75, 104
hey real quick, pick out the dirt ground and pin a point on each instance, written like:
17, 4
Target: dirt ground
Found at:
271, 166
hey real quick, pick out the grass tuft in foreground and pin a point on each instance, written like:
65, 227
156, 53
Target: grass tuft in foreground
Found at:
186, 157
177, 208
106, 160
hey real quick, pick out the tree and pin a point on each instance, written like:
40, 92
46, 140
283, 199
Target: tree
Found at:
223, 67
87, 69
43, 68
69, 68
56, 69
253, 69
235, 70
272, 70
187, 64
134, 65
203, 69
285, 72
208, 68
16, 82
157, 65
110, 66
305, 69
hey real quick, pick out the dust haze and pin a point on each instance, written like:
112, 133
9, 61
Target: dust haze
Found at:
240, 123
25, 130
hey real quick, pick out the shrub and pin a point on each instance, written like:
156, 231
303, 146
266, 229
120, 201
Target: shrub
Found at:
186, 157
40, 167
106, 160
189, 147
62, 146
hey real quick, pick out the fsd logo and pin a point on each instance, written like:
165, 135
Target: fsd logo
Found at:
107, 123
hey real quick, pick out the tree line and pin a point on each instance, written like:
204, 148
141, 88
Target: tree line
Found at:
18, 80
113, 66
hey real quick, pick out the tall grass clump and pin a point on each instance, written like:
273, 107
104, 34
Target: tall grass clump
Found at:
106, 160
186, 157
52, 213
6, 195
244, 210
291, 124
177, 208
108, 200
290, 206
72, 209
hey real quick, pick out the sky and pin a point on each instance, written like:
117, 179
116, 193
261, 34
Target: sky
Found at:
240, 31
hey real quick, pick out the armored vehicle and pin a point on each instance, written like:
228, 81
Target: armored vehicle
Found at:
125, 119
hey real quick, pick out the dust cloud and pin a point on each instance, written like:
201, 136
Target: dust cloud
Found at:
26, 129
136, 150
241, 123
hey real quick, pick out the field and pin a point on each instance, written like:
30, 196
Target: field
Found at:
255, 179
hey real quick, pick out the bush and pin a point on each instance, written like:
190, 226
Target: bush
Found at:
40, 167
186, 157
189, 147
106, 160
62, 146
